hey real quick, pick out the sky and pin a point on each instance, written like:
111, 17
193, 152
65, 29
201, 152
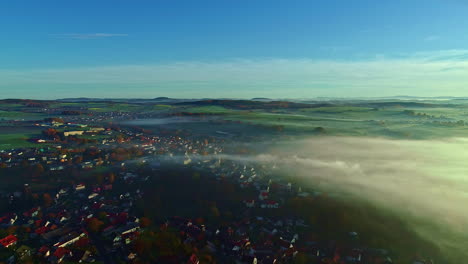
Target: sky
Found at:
233, 49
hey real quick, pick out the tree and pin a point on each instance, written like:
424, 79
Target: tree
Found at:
214, 212
145, 222
78, 159
50, 132
54, 119
301, 258
99, 178
119, 138
24, 164
38, 169
111, 177
102, 216
47, 200
94, 225
200, 221
167, 244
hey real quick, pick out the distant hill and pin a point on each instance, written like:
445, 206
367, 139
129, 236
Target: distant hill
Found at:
248, 104
261, 99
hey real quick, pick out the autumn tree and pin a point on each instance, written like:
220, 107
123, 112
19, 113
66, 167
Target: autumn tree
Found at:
37, 170
54, 119
94, 225
78, 160
111, 177
145, 222
50, 132
47, 200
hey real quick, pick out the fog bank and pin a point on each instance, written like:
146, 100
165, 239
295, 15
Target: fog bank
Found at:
423, 181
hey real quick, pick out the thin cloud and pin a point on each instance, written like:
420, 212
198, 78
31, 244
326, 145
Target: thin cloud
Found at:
88, 35
422, 74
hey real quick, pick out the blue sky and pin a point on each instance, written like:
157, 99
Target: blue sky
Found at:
241, 49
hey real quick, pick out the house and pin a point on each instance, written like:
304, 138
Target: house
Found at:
130, 229
32, 213
8, 241
73, 133
85, 256
44, 251
117, 241
57, 232
69, 239
129, 175
130, 237
95, 129
93, 195
87, 165
8, 219
270, 204
249, 203
193, 259
355, 256
131, 256
60, 254
117, 219
264, 194
57, 168
41, 230
80, 187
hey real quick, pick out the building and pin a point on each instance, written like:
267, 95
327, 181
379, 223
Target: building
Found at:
73, 133
8, 241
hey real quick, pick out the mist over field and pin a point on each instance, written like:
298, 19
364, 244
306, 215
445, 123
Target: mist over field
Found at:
423, 181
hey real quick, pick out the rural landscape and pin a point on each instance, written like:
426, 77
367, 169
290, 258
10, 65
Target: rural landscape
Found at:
234, 132
233, 181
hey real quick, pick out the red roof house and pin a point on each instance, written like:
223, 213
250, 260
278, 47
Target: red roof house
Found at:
8, 241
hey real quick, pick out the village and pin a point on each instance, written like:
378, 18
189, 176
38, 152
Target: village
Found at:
95, 221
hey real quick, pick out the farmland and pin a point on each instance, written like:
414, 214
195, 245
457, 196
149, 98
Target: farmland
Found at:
341, 166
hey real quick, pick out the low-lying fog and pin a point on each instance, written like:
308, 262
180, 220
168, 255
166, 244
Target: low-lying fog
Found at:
425, 182
420, 180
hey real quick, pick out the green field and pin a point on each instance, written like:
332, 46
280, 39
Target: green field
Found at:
102, 107
392, 122
19, 140
17, 115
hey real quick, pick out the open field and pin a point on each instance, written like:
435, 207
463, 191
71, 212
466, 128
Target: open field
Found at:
18, 136
15, 141
393, 122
